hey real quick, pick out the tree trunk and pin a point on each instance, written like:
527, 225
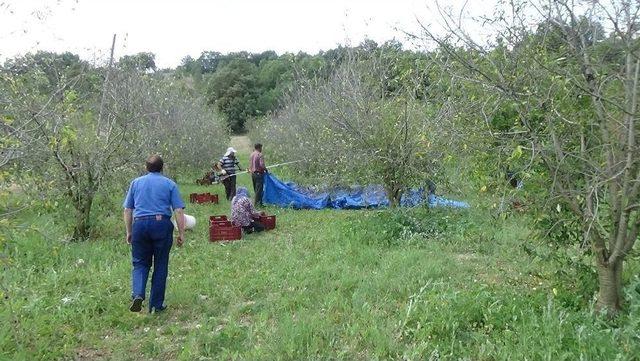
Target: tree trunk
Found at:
610, 288
394, 194
82, 228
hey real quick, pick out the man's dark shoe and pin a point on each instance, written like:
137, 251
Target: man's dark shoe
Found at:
136, 305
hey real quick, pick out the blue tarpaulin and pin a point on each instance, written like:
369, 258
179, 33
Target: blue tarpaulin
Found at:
294, 196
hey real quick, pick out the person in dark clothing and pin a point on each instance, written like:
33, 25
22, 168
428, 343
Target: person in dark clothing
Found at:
229, 165
257, 169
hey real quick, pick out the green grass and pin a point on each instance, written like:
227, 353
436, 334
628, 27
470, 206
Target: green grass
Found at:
352, 285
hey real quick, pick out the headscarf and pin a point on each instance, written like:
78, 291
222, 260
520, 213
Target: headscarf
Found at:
240, 192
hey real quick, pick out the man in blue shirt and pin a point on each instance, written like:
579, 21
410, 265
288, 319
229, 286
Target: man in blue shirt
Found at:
147, 212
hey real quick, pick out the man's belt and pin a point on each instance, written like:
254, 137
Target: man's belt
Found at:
157, 217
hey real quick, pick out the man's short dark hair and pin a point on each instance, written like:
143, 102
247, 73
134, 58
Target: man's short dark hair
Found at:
154, 163
257, 146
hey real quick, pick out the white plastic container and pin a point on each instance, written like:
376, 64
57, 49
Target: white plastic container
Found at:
189, 222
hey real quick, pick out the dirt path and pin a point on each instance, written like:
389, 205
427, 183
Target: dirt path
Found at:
242, 143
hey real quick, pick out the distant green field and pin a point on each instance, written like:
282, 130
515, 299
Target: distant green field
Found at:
353, 285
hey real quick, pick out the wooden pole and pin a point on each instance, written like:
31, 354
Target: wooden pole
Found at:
104, 86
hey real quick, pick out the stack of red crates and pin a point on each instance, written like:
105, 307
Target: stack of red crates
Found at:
221, 229
203, 198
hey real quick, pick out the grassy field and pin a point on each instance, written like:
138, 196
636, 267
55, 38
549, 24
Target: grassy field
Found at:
353, 285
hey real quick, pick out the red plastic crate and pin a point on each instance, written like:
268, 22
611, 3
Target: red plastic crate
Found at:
217, 218
220, 224
203, 198
231, 233
195, 198
269, 222
219, 221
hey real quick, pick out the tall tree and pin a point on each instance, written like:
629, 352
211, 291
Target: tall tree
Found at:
141, 62
209, 61
232, 89
575, 92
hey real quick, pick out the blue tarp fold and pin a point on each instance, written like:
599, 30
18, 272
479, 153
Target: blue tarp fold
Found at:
292, 195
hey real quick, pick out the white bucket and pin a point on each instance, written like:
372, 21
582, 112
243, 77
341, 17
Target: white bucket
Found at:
189, 222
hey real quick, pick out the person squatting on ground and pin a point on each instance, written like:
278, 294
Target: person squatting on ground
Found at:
229, 164
244, 214
147, 212
257, 169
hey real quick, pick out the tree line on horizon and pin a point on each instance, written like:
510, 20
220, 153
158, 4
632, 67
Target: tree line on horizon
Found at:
243, 86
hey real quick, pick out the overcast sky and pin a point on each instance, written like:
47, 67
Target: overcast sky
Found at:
173, 29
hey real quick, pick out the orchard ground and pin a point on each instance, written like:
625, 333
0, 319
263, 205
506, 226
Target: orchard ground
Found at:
356, 285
